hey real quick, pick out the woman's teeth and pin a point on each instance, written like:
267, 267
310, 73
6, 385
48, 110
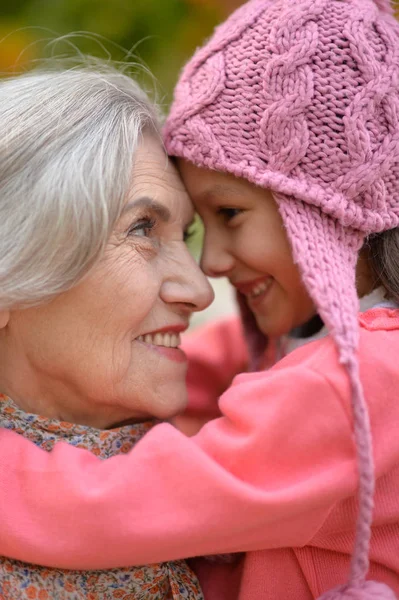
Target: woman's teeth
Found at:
259, 289
169, 340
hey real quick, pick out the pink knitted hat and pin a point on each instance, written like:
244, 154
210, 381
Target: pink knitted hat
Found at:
302, 97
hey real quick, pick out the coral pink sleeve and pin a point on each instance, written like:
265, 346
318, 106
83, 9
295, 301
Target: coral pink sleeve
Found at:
216, 354
264, 475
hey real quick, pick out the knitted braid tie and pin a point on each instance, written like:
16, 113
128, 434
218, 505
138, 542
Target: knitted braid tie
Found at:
308, 229
303, 98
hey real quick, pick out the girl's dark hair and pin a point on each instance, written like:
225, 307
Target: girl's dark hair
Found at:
383, 255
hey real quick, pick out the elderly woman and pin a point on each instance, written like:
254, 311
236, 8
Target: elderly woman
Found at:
99, 285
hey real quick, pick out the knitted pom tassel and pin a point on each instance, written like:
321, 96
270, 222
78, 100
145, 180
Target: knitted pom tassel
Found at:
385, 6
368, 590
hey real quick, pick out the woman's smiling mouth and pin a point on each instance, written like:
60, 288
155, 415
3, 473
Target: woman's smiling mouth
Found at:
165, 342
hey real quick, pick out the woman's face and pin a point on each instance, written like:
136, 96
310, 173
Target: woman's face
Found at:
105, 352
245, 240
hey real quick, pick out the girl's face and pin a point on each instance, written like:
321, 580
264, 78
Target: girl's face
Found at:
245, 241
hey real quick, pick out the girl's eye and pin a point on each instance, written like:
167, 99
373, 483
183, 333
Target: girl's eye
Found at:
228, 213
142, 228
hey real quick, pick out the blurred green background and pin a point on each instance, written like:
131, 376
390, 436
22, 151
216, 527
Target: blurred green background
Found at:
160, 33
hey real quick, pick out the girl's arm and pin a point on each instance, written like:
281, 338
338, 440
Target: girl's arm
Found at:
263, 475
217, 353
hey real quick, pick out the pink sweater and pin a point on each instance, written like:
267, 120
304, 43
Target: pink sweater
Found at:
275, 476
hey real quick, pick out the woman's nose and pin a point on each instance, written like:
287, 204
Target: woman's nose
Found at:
186, 284
216, 260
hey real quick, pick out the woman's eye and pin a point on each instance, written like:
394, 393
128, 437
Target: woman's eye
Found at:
142, 228
229, 213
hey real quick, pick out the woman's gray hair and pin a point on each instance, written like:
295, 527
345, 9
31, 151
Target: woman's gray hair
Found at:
67, 144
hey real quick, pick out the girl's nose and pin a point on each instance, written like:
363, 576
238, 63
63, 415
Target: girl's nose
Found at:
186, 284
216, 260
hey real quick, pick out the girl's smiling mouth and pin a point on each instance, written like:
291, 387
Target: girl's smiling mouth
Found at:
255, 290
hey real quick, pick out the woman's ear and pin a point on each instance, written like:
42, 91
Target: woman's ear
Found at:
4, 318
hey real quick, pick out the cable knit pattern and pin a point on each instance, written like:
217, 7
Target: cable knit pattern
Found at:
284, 132
303, 97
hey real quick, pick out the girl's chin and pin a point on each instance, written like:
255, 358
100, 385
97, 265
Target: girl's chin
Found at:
277, 323
273, 325
274, 328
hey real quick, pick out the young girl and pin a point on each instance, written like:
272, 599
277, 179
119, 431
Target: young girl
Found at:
286, 129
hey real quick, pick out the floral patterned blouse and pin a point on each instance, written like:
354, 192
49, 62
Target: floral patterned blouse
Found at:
23, 581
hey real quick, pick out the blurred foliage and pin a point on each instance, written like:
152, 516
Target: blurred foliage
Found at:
160, 33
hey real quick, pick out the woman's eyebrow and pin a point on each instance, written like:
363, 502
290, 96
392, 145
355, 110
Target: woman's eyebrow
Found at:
146, 202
